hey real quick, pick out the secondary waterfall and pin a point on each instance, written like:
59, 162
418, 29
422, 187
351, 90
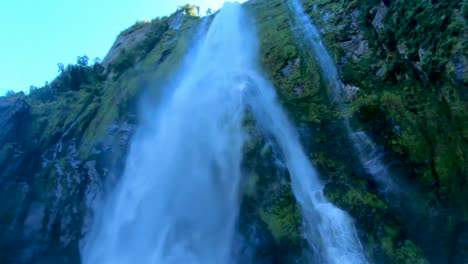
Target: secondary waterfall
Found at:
369, 155
329, 230
401, 196
178, 199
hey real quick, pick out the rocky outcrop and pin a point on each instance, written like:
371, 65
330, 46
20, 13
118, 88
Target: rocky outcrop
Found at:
127, 40
48, 190
380, 13
14, 114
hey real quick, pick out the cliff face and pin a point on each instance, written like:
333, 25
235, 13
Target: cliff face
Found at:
64, 145
408, 61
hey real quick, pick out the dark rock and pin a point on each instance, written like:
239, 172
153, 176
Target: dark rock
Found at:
460, 254
377, 23
299, 90
460, 68
14, 112
350, 92
292, 64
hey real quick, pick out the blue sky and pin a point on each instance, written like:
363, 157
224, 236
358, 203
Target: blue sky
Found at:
36, 35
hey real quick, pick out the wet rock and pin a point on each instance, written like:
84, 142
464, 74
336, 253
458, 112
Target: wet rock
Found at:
355, 19
299, 90
403, 50
363, 48
422, 54
350, 92
288, 69
378, 22
355, 45
382, 71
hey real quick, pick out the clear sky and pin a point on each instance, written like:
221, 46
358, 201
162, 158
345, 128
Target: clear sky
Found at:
38, 34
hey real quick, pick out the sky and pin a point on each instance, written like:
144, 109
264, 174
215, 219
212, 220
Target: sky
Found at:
36, 35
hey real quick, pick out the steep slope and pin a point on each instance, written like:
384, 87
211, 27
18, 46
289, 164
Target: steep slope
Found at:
407, 62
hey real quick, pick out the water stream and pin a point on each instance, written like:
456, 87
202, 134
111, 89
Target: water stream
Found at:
309, 36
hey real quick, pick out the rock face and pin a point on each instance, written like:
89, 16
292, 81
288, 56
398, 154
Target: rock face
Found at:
44, 189
378, 21
61, 150
14, 114
126, 41
405, 81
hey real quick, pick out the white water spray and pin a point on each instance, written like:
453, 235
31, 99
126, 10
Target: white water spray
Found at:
371, 157
329, 230
305, 29
178, 199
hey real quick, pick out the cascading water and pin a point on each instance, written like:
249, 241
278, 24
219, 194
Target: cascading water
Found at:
178, 199
329, 230
371, 157
306, 30
308, 33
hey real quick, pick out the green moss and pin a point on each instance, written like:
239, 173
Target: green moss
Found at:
406, 253
128, 58
356, 201
289, 52
321, 160
52, 119
283, 219
163, 51
251, 185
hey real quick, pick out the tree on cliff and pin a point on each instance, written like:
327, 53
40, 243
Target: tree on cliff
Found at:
188, 9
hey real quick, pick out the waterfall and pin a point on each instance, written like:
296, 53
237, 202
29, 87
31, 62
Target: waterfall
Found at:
329, 230
307, 32
371, 156
368, 152
178, 199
